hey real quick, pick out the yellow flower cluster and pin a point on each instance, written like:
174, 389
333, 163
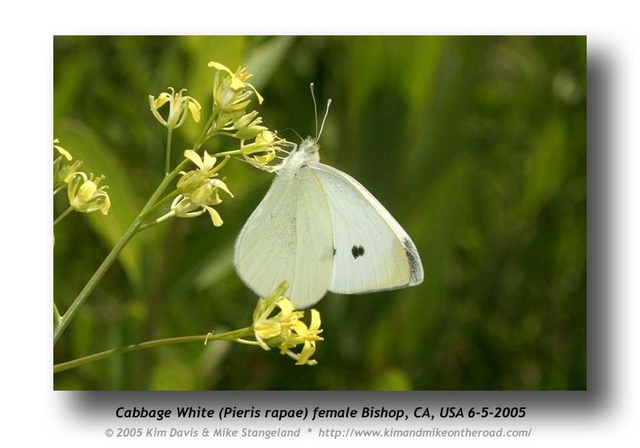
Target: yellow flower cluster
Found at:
199, 189
276, 324
232, 95
82, 190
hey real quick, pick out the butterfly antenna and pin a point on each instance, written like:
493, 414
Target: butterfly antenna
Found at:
298, 135
292, 130
326, 113
315, 108
315, 113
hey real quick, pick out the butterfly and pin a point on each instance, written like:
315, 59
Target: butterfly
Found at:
321, 230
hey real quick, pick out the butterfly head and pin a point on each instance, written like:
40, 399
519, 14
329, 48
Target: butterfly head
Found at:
307, 151
310, 145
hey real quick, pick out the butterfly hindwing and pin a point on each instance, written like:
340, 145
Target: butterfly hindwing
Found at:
371, 250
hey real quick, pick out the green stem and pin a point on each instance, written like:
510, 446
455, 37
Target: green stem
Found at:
203, 134
118, 351
170, 197
64, 213
229, 336
167, 163
151, 203
113, 255
148, 225
56, 315
227, 153
93, 281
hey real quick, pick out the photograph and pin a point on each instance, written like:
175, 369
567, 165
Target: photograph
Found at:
319, 212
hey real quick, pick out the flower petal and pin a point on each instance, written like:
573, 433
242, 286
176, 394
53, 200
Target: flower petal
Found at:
215, 216
260, 99
221, 185
221, 67
209, 161
194, 157
194, 108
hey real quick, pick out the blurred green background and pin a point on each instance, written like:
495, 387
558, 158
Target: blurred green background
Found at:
477, 145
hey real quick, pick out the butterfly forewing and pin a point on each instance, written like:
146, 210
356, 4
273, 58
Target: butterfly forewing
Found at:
289, 237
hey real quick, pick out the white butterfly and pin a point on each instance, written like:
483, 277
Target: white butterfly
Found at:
321, 230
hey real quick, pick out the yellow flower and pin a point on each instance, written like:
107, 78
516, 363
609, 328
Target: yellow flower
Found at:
206, 164
273, 318
248, 126
62, 169
270, 330
199, 190
183, 206
276, 323
207, 170
179, 107
61, 150
263, 150
231, 84
85, 196
231, 93
301, 334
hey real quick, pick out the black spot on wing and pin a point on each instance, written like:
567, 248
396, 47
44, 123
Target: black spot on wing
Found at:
357, 251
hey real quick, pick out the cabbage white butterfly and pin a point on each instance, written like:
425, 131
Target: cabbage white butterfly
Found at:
321, 230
